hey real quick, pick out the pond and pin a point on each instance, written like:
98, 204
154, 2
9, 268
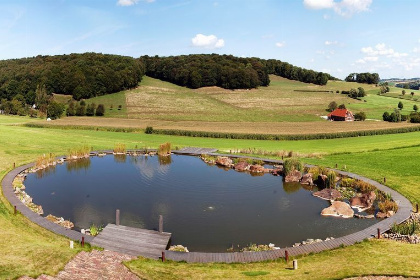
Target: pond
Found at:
206, 208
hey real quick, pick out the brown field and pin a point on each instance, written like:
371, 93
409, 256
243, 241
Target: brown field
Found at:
282, 128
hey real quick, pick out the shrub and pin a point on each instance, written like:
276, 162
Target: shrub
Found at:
388, 205
361, 116
44, 160
100, 110
94, 230
386, 116
407, 228
342, 106
415, 107
81, 151
148, 130
292, 164
120, 148
164, 149
256, 248
415, 117
348, 183
119, 107
71, 109
364, 187
331, 179
80, 110
400, 105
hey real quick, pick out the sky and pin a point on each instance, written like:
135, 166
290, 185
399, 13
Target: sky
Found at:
334, 36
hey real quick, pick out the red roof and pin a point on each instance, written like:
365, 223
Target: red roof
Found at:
338, 113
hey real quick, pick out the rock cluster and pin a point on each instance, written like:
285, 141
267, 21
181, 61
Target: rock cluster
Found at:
19, 188
178, 248
328, 194
311, 241
60, 221
293, 176
412, 239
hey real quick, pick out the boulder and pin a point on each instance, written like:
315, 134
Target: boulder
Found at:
307, 179
278, 170
380, 215
363, 201
241, 166
256, 168
224, 161
294, 176
338, 209
328, 194
390, 213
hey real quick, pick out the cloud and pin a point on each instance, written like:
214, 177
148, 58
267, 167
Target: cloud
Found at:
416, 50
344, 8
382, 50
280, 44
329, 43
207, 42
131, 2
371, 58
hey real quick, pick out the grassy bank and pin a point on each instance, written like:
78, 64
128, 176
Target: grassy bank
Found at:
366, 258
32, 250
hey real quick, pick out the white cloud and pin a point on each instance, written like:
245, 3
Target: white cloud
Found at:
371, 58
131, 2
318, 4
344, 8
207, 42
280, 44
360, 61
329, 43
379, 49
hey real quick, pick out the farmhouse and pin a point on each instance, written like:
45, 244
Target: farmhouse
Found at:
341, 115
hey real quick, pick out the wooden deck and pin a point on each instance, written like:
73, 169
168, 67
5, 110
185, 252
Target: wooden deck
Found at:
132, 241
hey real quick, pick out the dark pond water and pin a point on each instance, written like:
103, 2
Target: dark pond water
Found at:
206, 208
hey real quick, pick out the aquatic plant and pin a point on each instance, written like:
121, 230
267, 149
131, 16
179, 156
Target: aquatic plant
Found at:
120, 148
164, 149
292, 164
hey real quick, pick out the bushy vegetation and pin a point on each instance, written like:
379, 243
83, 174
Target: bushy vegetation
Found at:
80, 75
44, 160
225, 71
388, 205
148, 130
256, 248
120, 148
360, 116
82, 151
251, 136
83, 109
292, 164
406, 228
164, 149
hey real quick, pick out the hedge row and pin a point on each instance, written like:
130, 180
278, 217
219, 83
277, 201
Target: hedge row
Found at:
251, 136
226, 135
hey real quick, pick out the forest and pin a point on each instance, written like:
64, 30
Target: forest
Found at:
80, 75
226, 71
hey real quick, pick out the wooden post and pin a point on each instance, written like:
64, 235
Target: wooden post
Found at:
15, 210
160, 223
336, 165
117, 217
295, 265
83, 241
14, 165
286, 256
379, 233
384, 179
163, 256
417, 207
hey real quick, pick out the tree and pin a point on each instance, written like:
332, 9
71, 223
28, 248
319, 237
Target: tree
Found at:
361, 116
71, 110
342, 106
412, 93
100, 110
403, 92
386, 116
400, 105
42, 98
90, 109
354, 93
332, 106
55, 110
415, 107
362, 92
80, 110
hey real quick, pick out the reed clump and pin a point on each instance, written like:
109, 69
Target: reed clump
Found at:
79, 152
45, 160
164, 149
120, 148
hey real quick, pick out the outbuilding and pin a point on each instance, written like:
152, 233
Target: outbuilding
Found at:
341, 115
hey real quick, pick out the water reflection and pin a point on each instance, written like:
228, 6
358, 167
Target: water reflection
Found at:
165, 160
120, 158
78, 164
291, 187
46, 171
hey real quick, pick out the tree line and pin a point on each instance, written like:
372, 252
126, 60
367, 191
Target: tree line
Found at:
226, 71
80, 75
364, 78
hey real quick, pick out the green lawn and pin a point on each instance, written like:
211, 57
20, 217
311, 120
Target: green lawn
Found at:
366, 258
32, 250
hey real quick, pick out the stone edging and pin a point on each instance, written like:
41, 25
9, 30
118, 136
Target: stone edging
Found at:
403, 213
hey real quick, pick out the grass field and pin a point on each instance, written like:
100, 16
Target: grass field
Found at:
392, 156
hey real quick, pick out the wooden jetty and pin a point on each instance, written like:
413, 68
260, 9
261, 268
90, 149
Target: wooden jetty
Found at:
132, 241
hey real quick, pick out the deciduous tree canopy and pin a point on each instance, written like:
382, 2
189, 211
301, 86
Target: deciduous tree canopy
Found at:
80, 75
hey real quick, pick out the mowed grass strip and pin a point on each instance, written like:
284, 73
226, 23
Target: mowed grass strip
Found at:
376, 257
